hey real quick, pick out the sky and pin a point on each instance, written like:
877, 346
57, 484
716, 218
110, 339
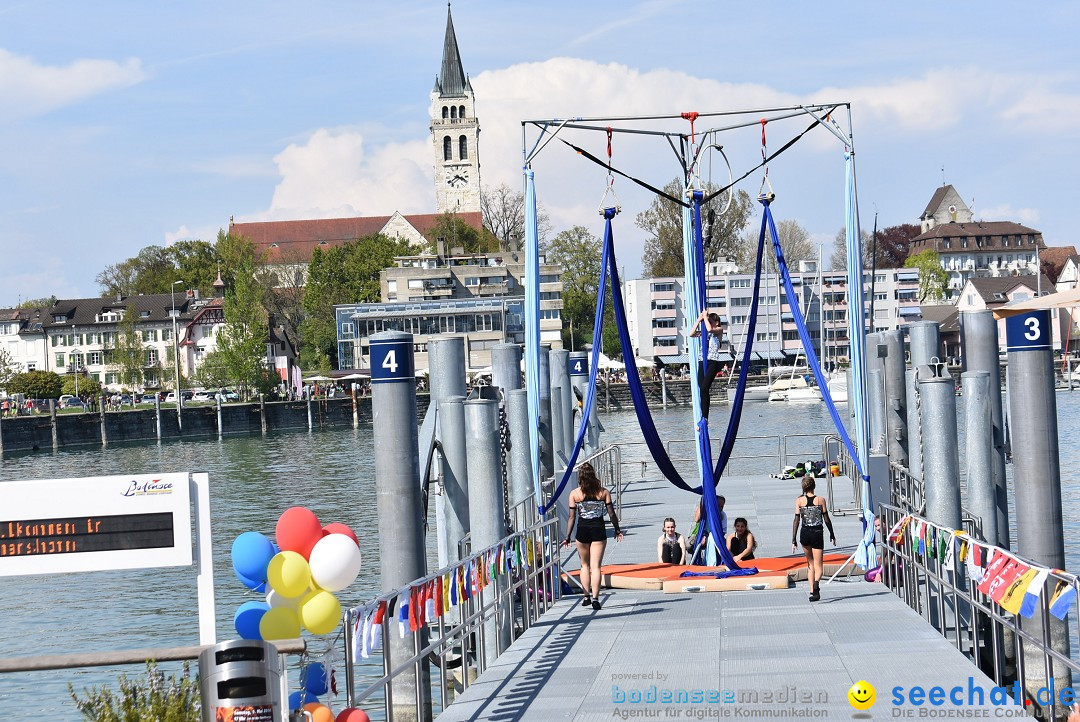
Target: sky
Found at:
127, 124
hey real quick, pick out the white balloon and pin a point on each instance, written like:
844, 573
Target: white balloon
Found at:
276, 600
335, 562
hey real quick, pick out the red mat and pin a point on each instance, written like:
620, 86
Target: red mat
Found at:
662, 572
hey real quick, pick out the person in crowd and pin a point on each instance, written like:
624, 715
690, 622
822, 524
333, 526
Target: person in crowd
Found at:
588, 504
812, 515
671, 546
741, 543
715, 360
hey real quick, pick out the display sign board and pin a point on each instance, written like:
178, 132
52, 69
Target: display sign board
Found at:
579, 366
392, 361
1029, 331
90, 524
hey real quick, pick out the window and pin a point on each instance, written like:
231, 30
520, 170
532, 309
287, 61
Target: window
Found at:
75, 360
416, 283
445, 112
548, 295
744, 301
463, 148
881, 313
669, 341
484, 322
879, 278
551, 314
112, 378
881, 297
472, 281
347, 329
971, 299
166, 334
149, 334
93, 358
663, 323
60, 357
55, 341
447, 148
947, 244
1009, 258
144, 314
453, 112
661, 287
391, 286
741, 283
151, 356
461, 112
549, 279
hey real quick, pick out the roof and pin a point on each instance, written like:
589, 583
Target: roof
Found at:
1066, 299
293, 241
988, 288
991, 233
86, 310
451, 81
945, 314
937, 199
1054, 258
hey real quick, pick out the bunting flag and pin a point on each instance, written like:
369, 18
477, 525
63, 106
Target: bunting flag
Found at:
532, 555
1014, 595
975, 565
950, 553
943, 540
922, 538
963, 548
1013, 570
1031, 596
376, 627
1063, 598
994, 567
414, 609
403, 615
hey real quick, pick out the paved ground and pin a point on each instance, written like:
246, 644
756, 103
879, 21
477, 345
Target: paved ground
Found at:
760, 654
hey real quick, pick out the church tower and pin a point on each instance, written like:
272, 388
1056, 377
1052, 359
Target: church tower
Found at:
454, 133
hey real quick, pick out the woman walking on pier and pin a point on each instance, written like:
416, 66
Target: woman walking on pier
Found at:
588, 503
812, 514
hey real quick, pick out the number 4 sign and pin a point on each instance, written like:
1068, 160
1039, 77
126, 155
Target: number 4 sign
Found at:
392, 361
1029, 332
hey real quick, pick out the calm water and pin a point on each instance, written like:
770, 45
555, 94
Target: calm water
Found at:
253, 480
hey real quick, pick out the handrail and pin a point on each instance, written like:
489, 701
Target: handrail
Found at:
125, 656
980, 628
521, 596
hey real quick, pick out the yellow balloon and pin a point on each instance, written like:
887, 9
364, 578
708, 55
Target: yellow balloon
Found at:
320, 612
289, 574
279, 623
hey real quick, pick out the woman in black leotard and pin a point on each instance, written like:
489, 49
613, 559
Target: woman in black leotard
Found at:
593, 499
741, 543
812, 514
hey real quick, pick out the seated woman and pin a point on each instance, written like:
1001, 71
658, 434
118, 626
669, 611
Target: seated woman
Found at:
671, 546
741, 544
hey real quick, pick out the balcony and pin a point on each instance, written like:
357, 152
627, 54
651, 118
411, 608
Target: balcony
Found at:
664, 313
665, 333
494, 289
662, 295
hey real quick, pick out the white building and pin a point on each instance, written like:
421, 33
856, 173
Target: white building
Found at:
23, 338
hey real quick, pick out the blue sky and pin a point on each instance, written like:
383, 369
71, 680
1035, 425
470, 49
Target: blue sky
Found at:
125, 124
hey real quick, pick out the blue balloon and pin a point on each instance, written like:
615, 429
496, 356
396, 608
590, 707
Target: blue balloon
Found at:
252, 584
251, 554
247, 618
316, 680
298, 699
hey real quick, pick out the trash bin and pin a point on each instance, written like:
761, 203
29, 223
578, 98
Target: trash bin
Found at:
240, 681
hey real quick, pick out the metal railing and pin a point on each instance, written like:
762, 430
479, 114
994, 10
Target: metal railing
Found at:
458, 640
1033, 650
608, 466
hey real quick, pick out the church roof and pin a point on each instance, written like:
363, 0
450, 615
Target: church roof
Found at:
988, 235
937, 199
451, 81
293, 241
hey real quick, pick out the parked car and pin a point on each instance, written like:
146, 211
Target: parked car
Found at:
148, 398
170, 397
64, 399
72, 403
200, 396
227, 395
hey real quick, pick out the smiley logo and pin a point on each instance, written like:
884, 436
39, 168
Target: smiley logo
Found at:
862, 695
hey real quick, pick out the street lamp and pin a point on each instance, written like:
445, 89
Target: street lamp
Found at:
176, 354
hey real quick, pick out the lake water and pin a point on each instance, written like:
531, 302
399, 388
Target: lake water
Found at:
253, 479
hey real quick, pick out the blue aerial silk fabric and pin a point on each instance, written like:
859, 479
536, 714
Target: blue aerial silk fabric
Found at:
532, 327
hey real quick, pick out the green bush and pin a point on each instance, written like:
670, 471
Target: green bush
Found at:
153, 699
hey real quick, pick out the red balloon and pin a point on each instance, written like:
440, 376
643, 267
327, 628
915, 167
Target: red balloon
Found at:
298, 530
352, 714
337, 527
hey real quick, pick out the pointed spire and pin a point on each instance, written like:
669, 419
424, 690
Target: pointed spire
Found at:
452, 81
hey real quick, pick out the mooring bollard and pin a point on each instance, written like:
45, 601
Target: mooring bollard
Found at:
979, 334
914, 426
895, 365
520, 463
446, 374
52, 423
924, 341
157, 416
397, 495
101, 411
978, 452
941, 460
558, 360
217, 404
547, 464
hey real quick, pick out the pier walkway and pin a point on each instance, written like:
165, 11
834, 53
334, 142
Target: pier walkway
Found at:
760, 654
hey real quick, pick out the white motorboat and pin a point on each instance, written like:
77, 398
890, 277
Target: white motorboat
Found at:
838, 388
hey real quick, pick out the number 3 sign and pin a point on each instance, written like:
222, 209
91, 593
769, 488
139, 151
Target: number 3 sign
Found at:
392, 361
1029, 332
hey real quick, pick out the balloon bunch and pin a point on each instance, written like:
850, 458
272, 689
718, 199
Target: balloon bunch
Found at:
299, 575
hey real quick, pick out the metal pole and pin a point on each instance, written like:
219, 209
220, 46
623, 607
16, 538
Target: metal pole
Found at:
941, 461
579, 381
558, 452
355, 409
517, 416
877, 408
397, 495
547, 467
446, 374
455, 475
895, 364
925, 342
176, 357
979, 335
978, 452
157, 416
217, 401
486, 514
104, 432
1037, 471
914, 427
558, 360
307, 396
262, 413
52, 422
663, 388
506, 367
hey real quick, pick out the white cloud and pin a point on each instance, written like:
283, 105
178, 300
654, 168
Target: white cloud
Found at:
1005, 212
334, 174
28, 88
183, 233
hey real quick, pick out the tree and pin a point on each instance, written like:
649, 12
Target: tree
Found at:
457, 233
88, 385
241, 344
839, 255
794, 240
894, 244
281, 292
578, 252
48, 302
36, 385
933, 279
154, 268
663, 222
503, 210
8, 369
128, 357
348, 273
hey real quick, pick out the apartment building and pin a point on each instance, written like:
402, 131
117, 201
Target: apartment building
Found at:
658, 326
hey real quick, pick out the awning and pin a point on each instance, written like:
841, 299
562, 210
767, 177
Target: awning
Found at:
773, 355
1064, 299
677, 359
910, 311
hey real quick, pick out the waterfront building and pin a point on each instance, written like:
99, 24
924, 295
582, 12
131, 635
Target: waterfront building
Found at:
990, 293
658, 326
1068, 279
970, 248
23, 338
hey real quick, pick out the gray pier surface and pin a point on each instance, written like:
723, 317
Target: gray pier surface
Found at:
574, 662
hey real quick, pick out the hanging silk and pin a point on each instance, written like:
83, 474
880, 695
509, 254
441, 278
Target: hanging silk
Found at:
532, 328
